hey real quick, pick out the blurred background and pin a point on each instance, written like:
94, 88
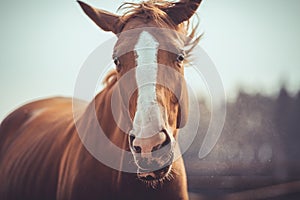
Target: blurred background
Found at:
256, 48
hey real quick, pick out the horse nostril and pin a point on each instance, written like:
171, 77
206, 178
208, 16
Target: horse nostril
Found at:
137, 149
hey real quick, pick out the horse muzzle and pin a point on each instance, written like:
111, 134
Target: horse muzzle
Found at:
153, 155
154, 168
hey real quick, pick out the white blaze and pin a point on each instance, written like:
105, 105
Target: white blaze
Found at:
147, 120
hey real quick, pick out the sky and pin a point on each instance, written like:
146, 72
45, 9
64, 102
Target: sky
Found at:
254, 44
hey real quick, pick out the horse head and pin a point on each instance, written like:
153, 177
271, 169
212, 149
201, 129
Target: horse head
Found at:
151, 52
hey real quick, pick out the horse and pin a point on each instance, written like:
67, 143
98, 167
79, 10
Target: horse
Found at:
42, 150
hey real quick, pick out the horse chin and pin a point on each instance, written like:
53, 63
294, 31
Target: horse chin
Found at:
156, 178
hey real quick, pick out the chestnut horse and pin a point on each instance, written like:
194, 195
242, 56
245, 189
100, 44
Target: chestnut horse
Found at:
42, 150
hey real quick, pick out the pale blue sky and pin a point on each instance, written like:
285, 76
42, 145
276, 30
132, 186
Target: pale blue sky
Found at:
254, 44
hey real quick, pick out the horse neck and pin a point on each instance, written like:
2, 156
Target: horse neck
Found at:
99, 115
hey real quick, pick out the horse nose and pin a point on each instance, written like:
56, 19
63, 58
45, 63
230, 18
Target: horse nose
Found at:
150, 144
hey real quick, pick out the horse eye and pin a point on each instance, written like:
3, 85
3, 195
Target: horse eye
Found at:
117, 62
180, 57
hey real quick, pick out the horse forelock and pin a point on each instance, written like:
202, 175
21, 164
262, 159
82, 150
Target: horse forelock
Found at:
154, 10
150, 10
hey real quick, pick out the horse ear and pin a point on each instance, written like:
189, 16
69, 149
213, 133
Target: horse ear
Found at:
182, 116
105, 20
182, 10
